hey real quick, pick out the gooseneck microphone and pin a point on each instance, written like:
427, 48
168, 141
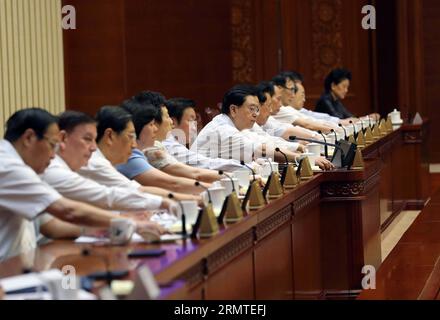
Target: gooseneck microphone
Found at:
345, 131
285, 155
336, 135
229, 177
184, 232
326, 146
198, 184
369, 120
354, 129
252, 170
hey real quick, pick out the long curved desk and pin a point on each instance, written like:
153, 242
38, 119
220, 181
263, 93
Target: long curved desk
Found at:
310, 244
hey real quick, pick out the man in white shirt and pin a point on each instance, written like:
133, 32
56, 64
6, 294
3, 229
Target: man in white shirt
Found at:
226, 136
31, 140
281, 129
183, 114
290, 115
78, 142
116, 139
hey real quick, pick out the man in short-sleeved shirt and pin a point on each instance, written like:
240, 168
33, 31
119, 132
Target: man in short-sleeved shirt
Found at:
23, 196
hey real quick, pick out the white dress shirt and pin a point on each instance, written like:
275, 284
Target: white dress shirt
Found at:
76, 187
275, 127
23, 196
258, 133
184, 155
320, 116
100, 170
291, 115
221, 139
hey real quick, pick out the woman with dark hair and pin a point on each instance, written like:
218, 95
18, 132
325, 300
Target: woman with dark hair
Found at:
336, 87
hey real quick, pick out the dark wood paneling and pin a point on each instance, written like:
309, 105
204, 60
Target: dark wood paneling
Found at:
94, 55
180, 48
319, 36
220, 287
273, 280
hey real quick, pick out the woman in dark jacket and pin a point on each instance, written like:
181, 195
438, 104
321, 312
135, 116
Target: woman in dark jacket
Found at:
336, 88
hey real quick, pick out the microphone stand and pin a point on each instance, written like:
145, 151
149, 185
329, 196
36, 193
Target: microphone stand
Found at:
289, 179
253, 196
231, 206
273, 185
326, 146
208, 225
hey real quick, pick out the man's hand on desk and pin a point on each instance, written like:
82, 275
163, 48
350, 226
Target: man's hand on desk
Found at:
138, 215
324, 164
150, 231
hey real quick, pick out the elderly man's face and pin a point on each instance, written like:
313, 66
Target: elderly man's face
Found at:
300, 97
288, 93
42, 151
277, 100
245, 116
78, 146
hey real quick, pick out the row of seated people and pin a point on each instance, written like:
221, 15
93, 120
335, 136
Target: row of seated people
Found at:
72, 175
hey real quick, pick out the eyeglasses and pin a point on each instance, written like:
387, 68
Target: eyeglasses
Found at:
55, 146
254, 110
293, 89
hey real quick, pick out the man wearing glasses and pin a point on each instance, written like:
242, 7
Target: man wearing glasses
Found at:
288, 114
31, 139
228, 135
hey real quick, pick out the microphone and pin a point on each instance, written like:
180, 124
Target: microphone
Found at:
184, 232
352, 150
336, 135
354, 129
369, 120
326, 147
285, 155
229, 177
198, 184
345, 131
252, 170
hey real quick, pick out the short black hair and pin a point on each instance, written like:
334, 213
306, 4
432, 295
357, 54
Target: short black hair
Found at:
266, 87
237, 96
281, 81
69, 120
111, 117
177, 106
336, 76
36, 119
150, 97
142, 114
293, 75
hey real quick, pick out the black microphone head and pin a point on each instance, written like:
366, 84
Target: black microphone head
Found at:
197, 184
170, 196
351, 122
27, 270
319, 131
220, 172
332, 130
293, 138
340, 125
242, 163
277, 150
85, 252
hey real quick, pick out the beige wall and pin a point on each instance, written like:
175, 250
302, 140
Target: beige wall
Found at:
31, 56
